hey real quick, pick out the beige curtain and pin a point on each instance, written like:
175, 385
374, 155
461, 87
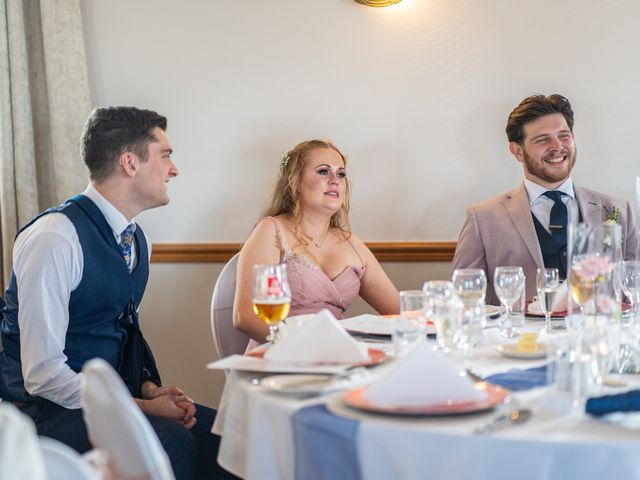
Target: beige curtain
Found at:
44, 100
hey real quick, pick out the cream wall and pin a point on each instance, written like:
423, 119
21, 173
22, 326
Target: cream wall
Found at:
416, 95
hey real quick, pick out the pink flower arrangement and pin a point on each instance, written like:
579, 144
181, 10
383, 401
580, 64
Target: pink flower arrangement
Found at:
592, 267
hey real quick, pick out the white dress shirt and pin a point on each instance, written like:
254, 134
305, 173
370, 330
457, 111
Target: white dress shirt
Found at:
541, 205
48, 265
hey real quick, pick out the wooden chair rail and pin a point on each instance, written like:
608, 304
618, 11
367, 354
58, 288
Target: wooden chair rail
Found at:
222, 252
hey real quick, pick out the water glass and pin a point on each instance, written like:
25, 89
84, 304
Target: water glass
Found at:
469, 322
409, 327
508, 283
439, 299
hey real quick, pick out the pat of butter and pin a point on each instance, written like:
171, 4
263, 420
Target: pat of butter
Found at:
528, 342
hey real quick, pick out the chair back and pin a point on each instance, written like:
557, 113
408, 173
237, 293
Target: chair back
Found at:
117, 425
20, 455
63, 463
227, 339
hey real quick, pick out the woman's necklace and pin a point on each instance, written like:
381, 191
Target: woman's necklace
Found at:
319, 243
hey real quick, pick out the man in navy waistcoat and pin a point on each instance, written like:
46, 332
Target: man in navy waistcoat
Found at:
79, 274
527, 226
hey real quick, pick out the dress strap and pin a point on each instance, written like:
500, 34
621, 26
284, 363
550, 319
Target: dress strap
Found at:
357, 253
281, 241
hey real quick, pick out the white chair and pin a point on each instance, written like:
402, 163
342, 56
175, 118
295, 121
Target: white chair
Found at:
117, 425
227, 339
20, 455
63, 462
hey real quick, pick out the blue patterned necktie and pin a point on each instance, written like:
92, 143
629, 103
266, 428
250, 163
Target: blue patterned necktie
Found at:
558, 218
126, 243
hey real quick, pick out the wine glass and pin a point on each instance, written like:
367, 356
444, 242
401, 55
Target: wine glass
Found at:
469, 285
629, 361
631, 284
438, 302
508, 283
548, 284
271, 296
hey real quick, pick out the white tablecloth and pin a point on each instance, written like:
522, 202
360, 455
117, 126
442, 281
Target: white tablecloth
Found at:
558, 442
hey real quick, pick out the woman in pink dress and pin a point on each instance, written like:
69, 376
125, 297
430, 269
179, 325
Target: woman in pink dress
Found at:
306, 226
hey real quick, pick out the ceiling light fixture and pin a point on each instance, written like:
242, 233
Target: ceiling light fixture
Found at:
378, 3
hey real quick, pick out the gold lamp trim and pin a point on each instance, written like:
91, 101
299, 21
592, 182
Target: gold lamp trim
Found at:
378, 3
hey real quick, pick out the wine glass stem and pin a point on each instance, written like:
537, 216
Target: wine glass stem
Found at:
273, 333
547, 321
507, 321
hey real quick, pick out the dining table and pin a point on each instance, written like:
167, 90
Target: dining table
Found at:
272, 434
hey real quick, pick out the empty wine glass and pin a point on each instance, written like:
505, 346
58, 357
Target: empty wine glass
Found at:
469, 285
548, 285
629, 351
508, 283
631, 284
271, 296
438, 302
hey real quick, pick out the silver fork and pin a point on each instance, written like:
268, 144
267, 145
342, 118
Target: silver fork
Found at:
515, 416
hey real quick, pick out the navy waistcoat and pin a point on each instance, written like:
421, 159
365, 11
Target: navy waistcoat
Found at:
102, 309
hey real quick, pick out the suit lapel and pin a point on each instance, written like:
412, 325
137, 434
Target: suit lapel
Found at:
517, 204
590, 206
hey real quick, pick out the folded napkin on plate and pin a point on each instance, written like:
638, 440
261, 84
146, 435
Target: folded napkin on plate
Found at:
318, 339
423, 377
622, 402
517, 379
560, 305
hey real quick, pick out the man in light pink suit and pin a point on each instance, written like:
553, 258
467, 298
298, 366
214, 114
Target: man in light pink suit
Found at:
527, 226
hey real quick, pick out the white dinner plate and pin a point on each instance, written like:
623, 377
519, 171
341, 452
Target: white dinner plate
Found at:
510, 350
299, 384
368, 324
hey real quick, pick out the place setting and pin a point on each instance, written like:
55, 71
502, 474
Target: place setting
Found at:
319, 344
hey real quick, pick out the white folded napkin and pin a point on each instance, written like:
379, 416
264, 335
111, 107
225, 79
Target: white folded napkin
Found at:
560, 305
422, 378
319, 339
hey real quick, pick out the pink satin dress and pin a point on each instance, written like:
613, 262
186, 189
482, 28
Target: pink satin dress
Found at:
311, 288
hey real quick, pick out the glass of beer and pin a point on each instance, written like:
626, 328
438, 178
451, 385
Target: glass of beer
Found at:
271, 296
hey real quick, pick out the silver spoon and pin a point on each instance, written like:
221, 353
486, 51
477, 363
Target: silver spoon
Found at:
512, 417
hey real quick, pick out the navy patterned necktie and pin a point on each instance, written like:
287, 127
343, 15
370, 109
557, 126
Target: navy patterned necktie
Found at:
558, 218
126, 244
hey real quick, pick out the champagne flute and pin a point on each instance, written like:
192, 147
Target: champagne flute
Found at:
469, 285
508, 283
438, 301
548, 284
271, 296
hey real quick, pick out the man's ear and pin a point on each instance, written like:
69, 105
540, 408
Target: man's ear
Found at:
129, 163
516, 150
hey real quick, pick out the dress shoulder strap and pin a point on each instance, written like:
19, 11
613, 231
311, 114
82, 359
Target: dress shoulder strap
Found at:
355, 250
281, 241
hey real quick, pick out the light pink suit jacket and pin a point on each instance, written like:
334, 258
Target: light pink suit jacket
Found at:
500, 232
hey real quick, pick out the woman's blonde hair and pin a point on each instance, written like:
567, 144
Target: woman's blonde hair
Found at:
285, 198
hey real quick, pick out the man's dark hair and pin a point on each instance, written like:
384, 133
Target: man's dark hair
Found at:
534, 107
109, 132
